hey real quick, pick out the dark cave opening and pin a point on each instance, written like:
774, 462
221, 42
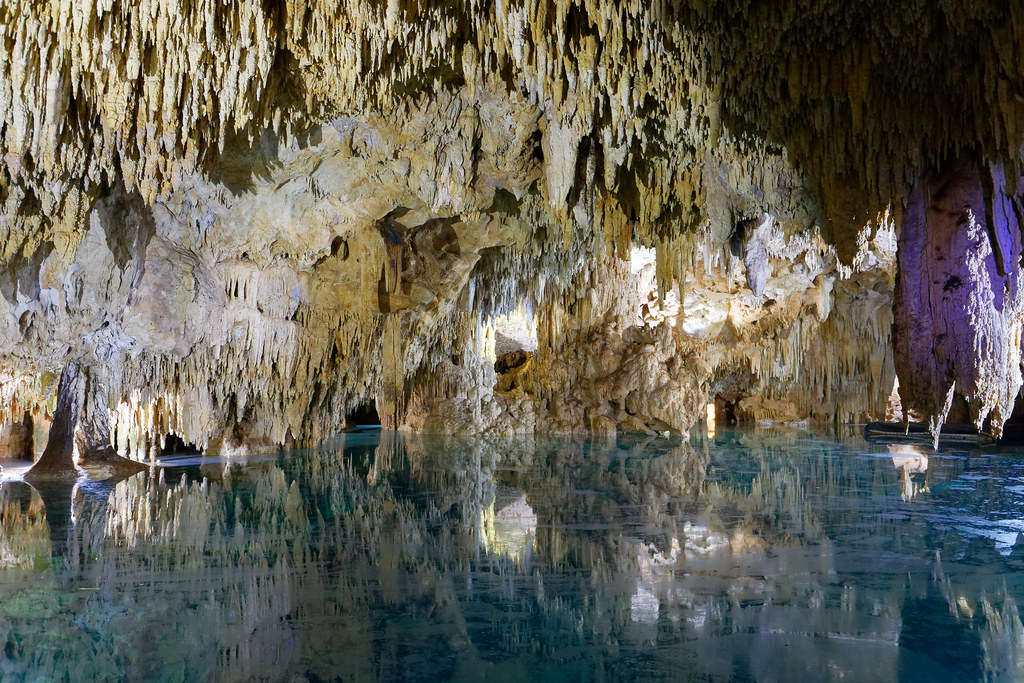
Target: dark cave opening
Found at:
1013, 429
725, 411
175, 445
365, 415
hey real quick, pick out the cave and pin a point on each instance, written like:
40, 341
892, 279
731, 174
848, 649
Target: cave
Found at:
724, 411
175, 445
365, 415
622, 288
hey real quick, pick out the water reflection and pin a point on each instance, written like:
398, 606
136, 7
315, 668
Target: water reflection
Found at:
912, 464
767, 555
511, 530
24, 536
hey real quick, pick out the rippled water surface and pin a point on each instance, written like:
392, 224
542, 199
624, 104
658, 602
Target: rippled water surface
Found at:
748, 556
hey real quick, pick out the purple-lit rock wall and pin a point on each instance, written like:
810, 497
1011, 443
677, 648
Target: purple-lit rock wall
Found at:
957, 318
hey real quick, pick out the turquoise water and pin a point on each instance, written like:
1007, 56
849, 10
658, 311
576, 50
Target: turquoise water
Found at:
767, 556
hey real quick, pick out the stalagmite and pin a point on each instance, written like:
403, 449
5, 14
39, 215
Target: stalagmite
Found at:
58, 458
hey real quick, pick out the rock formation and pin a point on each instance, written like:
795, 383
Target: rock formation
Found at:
959, 306
250, 219
79, 438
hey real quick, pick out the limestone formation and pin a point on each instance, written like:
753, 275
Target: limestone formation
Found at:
959, 306
79, 439
252, 218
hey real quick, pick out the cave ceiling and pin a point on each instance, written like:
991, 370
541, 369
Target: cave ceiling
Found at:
860, 97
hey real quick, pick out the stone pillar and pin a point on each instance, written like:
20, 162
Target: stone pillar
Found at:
80, 434
958, 307
58, 458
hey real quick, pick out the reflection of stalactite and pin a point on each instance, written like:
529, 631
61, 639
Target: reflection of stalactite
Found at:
391, 401
383, 457
301, 564
1002, 636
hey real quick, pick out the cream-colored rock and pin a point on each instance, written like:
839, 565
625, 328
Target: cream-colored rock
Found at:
316, 205
16, 440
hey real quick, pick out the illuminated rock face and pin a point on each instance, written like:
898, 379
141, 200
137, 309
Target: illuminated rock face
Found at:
959, 306
251, 231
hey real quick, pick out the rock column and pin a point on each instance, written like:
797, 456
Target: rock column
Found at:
80, 434
958, 307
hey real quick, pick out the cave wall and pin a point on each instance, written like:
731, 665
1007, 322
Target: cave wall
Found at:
251, 218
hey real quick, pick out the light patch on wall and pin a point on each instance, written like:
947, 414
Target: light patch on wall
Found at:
650, 311
516, 331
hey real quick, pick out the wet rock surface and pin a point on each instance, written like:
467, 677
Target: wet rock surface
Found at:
958, 307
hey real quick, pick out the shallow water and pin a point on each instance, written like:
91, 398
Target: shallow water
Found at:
749, 556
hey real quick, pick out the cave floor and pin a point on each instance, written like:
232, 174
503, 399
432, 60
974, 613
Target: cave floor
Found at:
742, 555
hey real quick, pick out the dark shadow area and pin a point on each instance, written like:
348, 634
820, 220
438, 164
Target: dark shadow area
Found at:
725, 411
953, 434
252, 154
510, 361
18, 495
58, 498
927, 622
244, 162
365, 415
834, 82
1013, 429
175, 445
128, 226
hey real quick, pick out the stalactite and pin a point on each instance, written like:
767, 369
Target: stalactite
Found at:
197, 211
